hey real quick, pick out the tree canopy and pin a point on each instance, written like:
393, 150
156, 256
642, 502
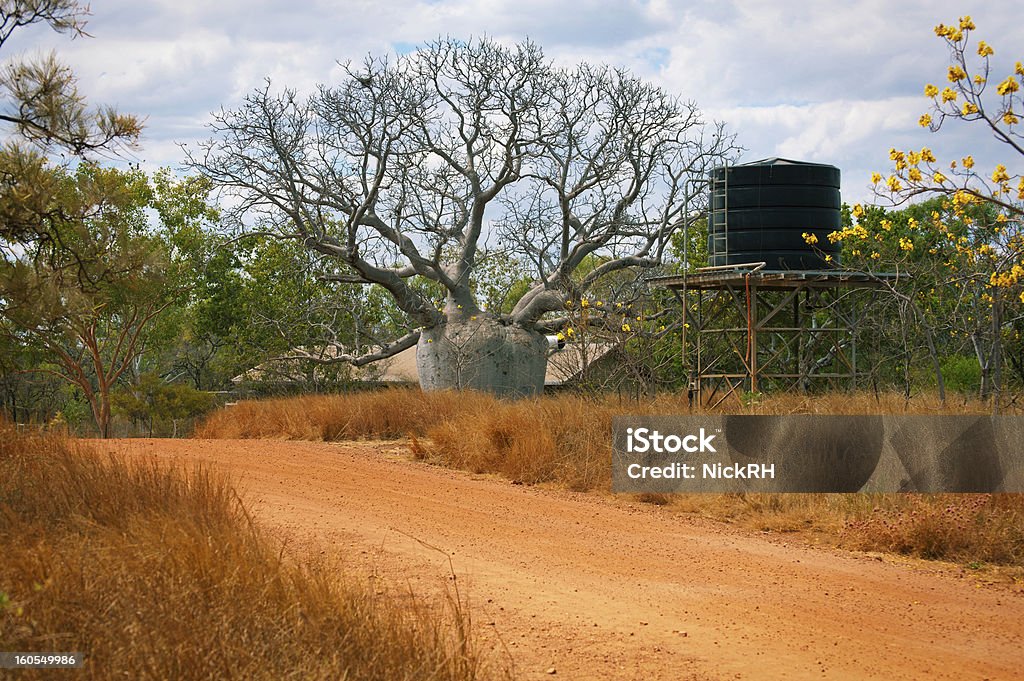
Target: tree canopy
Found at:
412, 167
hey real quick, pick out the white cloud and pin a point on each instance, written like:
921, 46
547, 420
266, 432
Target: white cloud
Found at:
835, 82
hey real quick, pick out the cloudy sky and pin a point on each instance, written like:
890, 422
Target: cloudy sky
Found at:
827, 81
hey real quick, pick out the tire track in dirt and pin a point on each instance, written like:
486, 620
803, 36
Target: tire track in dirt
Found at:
599, 588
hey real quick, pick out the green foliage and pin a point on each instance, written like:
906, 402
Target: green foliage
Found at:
75, 411
950, 299
498, 281
697, 248
962, 374
156, 403
85, 297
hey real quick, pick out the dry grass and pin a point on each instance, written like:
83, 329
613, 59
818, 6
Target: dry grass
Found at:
969, 528
567, 440
157, 574
384, 414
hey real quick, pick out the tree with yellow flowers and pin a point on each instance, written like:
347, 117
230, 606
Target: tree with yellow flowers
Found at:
940, 312
968, 96
980, 252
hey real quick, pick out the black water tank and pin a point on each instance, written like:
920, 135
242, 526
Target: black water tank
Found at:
760, 212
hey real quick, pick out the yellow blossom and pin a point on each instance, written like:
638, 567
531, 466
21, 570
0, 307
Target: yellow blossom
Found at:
938, 177
1008, 86
1010, 118
984, 49
914, 175
584, 303
978, 80
569, 331
894, 184
810, 238
1019, 69
927, 155
875, 255
930, 90
1000, 175
906, 244
968, 162
955, 74
966, 24
948, 95
858, 211
968, 108
950, 32
876, 177
625, 327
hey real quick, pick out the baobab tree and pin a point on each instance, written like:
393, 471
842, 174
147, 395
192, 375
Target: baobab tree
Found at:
405, 172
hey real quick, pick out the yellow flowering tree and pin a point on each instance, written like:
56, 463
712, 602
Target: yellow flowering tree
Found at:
942, 312
968, 95
973, 235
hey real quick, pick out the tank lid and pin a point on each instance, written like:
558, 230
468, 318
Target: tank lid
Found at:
782, 162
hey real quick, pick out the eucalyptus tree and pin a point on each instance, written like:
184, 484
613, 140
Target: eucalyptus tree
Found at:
411, 168
89, 307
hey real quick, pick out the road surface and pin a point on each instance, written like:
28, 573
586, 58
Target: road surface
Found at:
598, 587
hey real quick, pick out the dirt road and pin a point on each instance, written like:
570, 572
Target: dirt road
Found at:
602, 588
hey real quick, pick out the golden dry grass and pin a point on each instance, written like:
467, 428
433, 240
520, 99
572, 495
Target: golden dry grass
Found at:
158, 574
968, 528
567, 440
384, 414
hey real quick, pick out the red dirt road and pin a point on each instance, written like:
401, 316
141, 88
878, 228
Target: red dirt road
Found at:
602, 588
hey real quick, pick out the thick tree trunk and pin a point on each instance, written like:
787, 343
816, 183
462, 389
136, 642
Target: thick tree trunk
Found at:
481, 353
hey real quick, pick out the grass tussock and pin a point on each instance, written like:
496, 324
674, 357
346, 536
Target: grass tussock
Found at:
969, 528
567, 440
157, 574
383, 414
982, 528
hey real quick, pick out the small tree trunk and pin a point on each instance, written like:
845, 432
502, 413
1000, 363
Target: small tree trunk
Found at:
104, 415
483, 354
997, 352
